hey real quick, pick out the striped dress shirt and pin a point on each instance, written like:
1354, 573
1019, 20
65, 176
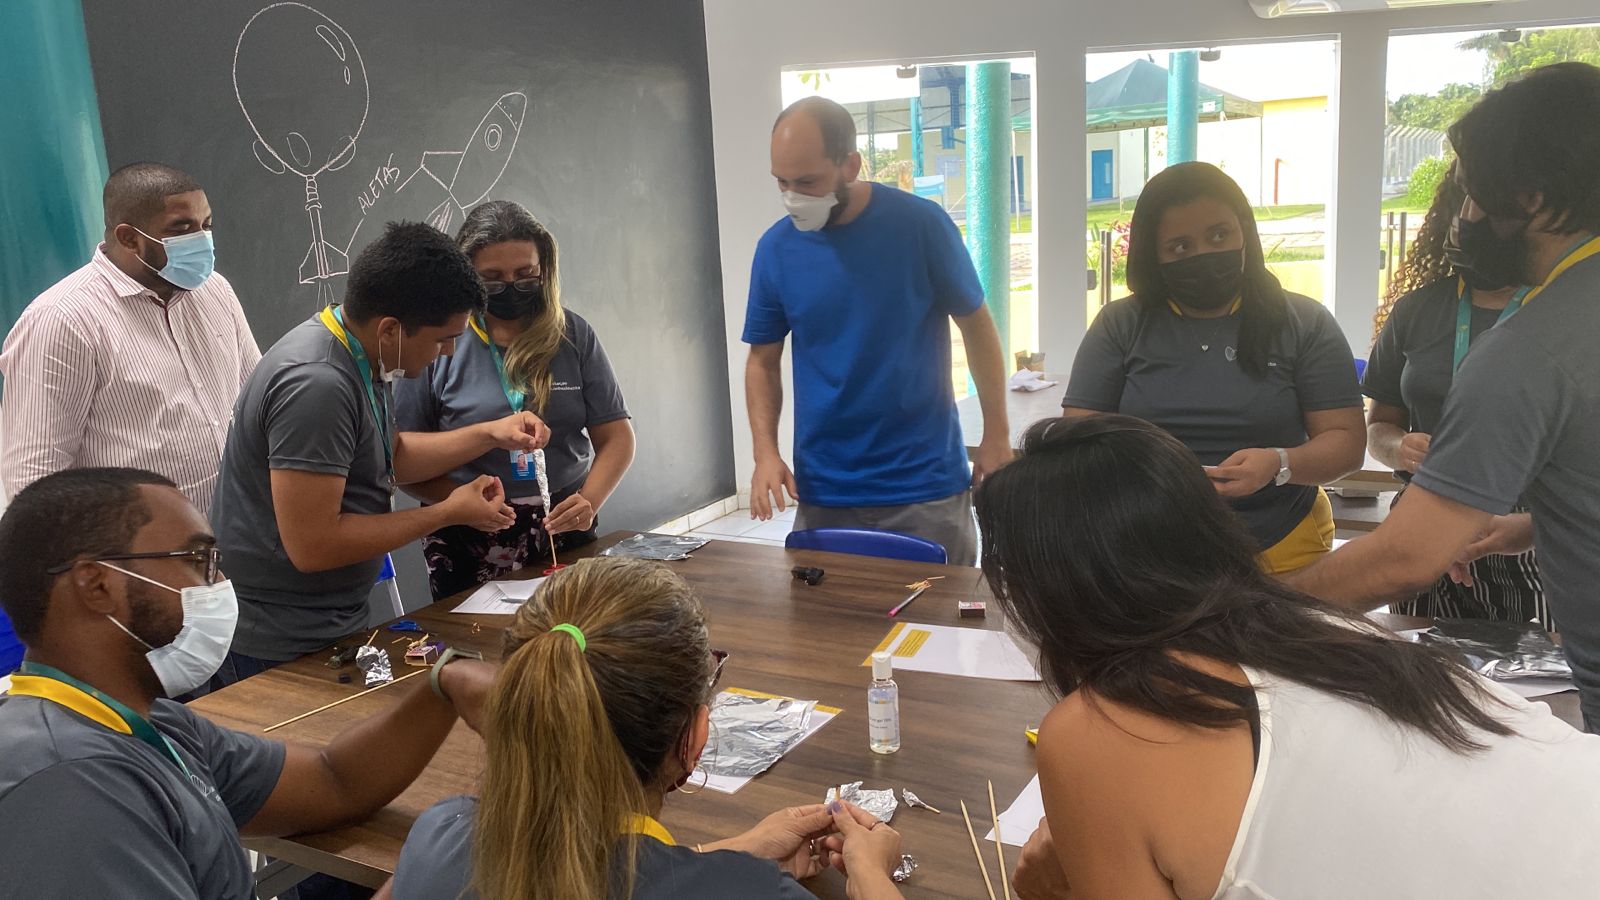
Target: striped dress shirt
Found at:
99, 372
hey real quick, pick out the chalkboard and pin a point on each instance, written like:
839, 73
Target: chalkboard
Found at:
311, 125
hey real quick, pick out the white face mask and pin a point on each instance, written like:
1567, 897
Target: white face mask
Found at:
210, 614
807, 212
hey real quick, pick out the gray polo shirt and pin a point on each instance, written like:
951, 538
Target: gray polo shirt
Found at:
464, 389
303, 410
1151, 364
88, 812
1522, 423
436, 862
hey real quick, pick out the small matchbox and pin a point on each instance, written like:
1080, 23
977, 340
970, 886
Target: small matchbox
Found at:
970, 609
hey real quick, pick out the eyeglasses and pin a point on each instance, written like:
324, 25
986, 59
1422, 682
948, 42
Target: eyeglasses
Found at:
525, 285
719, 658
206, 559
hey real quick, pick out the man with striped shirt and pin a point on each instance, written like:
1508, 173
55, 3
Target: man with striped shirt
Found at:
134, 360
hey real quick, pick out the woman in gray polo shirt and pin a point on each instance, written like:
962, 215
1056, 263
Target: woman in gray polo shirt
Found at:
1429, 319
1259, 383
600, 711
529, 353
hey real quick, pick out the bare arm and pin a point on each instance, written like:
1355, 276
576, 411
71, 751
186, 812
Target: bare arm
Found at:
434, 491
763, 392
1335, 446
613, 453
982, 340
369, 764
1387, 426
425, 455
1418, 541
318, 535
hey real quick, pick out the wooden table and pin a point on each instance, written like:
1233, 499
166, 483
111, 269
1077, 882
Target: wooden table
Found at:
783, 637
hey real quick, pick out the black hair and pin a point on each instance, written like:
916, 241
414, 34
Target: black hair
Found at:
1108, 547
416, 274
69, 515
497, 221
837, 125
1539, 135
138, 192
1263, 309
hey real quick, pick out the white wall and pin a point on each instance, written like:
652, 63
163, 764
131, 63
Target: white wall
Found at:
749, 41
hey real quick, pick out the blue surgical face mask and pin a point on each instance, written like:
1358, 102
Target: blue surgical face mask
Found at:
191, 258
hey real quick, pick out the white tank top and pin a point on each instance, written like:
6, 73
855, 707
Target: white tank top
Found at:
1346, 805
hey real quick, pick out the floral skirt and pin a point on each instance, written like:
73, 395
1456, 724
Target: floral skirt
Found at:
460, 557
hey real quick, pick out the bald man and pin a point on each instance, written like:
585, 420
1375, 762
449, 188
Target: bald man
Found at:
866, 278
136, 358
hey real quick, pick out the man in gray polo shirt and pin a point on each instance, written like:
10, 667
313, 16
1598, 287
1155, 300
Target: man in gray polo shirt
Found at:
109, 790
1522, 420
304, 508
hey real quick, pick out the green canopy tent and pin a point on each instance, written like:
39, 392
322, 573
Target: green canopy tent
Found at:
1135, 96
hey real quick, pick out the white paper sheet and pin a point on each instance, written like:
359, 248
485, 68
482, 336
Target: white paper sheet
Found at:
499, 598
948, 650
728, 784
1018, 822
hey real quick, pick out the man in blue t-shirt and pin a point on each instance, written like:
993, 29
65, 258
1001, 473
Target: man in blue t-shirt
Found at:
865, 276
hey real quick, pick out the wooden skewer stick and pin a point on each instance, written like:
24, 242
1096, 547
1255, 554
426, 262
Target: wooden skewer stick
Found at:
976, 851
999, 849
369, 690
374, 636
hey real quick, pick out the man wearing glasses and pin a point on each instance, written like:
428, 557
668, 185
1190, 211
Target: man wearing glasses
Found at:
114, 587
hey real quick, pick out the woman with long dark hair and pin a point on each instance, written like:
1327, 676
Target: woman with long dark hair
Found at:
1430, 316
528, 353
1259, 383
1220, 735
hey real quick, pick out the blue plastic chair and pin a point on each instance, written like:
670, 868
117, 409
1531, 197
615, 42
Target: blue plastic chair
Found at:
1361, 368
861, 542
10, 647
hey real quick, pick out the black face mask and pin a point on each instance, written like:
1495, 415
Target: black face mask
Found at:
1486, 261
512, 303
1205, 282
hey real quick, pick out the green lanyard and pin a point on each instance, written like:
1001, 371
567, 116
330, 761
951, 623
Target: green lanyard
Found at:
138, 725
333, 319
1464, 319
513, 396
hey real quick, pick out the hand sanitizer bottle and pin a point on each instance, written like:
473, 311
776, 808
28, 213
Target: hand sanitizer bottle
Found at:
883, 706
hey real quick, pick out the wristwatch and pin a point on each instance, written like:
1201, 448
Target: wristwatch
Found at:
449, 655
1283, 467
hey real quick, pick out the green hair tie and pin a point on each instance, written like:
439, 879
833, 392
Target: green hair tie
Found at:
577, 635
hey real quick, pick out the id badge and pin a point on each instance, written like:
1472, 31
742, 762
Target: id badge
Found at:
522, 466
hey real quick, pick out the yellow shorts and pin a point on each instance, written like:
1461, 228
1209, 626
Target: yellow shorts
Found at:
1307, 543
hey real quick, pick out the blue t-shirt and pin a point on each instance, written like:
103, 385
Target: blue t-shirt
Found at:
869, 304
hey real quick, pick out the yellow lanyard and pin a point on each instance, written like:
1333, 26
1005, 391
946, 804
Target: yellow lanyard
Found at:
47, 683
649, 827
1577, 254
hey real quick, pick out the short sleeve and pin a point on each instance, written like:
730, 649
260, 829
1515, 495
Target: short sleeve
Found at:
1099, 371
416, 400
244, 768
1387, 359
90, 828
602, 396
765, 321
436, 859
956, 290
312, 420
1496, 432
1325, 372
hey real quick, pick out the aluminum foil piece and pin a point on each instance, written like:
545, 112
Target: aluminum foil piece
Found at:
375, 663
541, 475
902, 872
665, 547
749, 734
881, 804
1501, 651
913, 800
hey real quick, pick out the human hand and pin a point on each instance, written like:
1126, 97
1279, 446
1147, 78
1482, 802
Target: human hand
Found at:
767, 487
864, 849
990, 455
1505, 536
1038, 875
1245, 472
788, 837
466, 684
1413, 450
518, 431
480, 504
572, 514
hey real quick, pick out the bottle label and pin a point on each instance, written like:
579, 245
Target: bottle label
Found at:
883, 719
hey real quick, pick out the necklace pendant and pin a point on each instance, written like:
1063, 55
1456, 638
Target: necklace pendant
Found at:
1205, 347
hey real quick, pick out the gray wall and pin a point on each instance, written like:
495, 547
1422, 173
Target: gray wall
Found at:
613, 154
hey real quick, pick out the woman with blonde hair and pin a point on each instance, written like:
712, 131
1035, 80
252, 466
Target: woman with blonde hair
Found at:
528, 353
601, 709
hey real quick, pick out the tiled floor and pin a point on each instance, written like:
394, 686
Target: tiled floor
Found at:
738, 526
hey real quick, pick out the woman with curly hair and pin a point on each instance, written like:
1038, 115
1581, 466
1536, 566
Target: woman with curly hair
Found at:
1428, 320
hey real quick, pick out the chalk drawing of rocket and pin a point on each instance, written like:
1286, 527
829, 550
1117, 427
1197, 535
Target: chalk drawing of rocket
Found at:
469, 174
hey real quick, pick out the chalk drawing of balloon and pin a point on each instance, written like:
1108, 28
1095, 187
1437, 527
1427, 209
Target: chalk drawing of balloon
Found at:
301, 84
